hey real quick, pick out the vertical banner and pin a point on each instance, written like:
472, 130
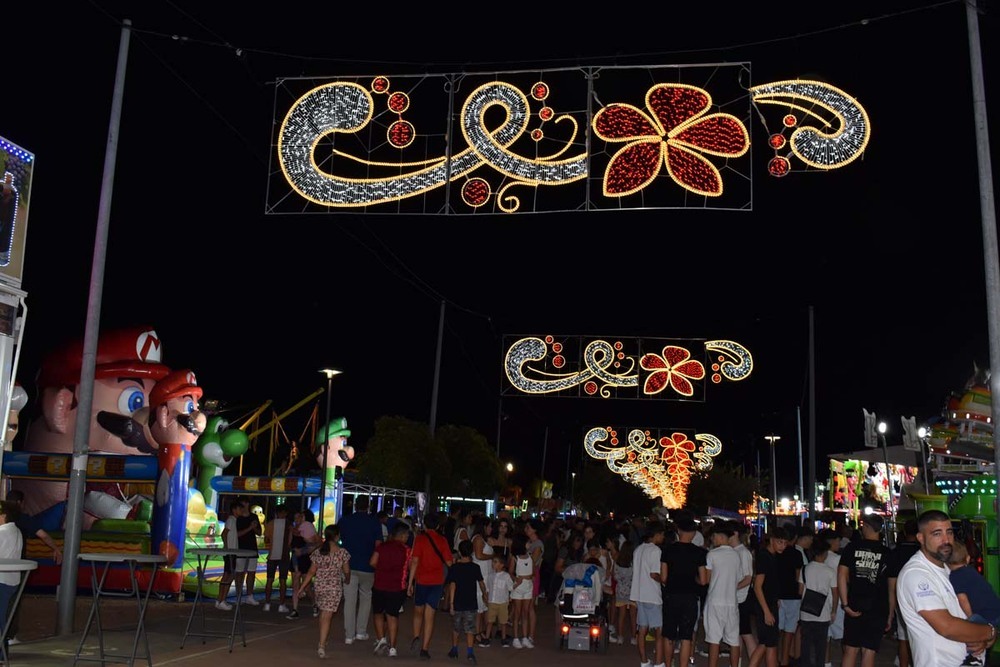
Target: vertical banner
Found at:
15, 192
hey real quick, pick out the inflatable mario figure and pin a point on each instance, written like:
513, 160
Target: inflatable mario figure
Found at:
127, 367
175, 422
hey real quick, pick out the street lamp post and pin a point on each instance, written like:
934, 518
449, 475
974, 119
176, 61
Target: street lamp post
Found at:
888, 477
329, 373
572, 492
922, 434
774, 479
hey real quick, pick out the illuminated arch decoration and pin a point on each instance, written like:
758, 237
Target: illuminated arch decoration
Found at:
650, 368
570, 139
658, 461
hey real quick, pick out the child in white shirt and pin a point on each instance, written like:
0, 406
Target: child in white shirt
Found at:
500, 586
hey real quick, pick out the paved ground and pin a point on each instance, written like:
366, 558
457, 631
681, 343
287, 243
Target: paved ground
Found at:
273, 640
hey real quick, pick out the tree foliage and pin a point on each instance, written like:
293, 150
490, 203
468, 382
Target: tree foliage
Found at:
401, 453
724, 486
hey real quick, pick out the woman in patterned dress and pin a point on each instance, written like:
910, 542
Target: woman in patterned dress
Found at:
331, 570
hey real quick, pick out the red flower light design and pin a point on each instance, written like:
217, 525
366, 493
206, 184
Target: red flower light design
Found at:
675, 131
676, 455
674, 368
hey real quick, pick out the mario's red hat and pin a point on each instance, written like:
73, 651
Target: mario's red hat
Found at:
134, 352
174, 385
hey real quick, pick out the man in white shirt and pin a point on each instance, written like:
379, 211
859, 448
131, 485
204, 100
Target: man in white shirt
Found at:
722, 617
836, 631
937, 627
743, 601
648, 575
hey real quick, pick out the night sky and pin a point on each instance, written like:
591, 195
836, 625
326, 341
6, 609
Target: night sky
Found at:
887, 251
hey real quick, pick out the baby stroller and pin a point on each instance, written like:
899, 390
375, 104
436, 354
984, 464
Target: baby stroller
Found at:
583, 618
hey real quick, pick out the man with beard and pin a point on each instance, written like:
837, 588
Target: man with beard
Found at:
938, 631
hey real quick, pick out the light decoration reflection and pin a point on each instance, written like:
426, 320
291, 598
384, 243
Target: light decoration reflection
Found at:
660, 465
679, 130
623, 368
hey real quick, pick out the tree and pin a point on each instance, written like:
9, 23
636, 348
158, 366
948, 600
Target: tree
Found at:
598, 490
724, 486
401, 453
475, 469
459, 459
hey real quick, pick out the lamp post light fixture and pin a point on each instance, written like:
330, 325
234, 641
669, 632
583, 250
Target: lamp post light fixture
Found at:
329, 373
510, 468
882, 428
774, 480
572, 491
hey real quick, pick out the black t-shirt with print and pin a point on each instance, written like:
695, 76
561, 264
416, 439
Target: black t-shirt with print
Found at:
867, 583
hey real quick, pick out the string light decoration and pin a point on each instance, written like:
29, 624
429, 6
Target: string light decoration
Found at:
841, 138
623, 368
345, 107
660, 465
673, 134
369, 143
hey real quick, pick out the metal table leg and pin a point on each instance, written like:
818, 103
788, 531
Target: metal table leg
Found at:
199, 594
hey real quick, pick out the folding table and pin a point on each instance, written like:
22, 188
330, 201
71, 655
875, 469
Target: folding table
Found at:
204, 555
134, 562
24, 567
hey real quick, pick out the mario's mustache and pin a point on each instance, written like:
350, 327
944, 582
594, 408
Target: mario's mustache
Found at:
129, 430
189, 424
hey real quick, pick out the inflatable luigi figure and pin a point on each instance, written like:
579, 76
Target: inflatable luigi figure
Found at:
333, 450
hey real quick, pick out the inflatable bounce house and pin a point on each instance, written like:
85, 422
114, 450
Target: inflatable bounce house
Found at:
156, 463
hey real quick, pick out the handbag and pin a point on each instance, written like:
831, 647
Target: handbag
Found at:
813, 602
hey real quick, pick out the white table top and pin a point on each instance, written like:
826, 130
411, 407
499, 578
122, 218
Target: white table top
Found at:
123, 558
209, 552
17, 565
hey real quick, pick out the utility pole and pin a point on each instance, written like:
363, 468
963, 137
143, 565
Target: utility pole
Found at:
78, 472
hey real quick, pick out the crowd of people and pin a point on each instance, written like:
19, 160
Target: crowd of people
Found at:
670, 588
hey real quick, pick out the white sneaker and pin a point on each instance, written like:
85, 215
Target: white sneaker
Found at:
348, 640
282, 609
527, 643
380, 646
660, 664
13, 641
517, 644
362, 637
646, 664
267, 606
250, 600
321, 652
392, 652
635, 642
222, 605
